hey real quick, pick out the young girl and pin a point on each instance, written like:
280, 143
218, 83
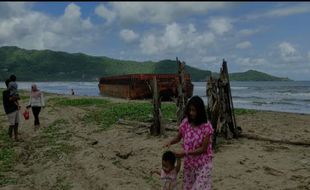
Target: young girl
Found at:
196, 133
36, 102
169, 171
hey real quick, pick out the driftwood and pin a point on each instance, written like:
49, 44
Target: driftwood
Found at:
232, 124
220, 107
156, 127
182, 99
173, 127
139, 124
281, 141
124, 155
133, 123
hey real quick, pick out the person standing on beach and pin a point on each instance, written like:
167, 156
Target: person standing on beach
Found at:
196, 132
12, 86
36, 102
11, 110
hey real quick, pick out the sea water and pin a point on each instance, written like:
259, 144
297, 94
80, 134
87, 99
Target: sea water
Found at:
283, 96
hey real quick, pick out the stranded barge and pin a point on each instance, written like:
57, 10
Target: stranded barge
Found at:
137, 86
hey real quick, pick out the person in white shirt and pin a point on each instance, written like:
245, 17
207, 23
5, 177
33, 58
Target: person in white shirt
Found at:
36, 102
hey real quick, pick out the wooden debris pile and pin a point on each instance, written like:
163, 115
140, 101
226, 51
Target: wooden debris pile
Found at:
220, 106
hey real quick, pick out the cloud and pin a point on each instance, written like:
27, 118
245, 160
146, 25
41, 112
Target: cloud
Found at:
286, 49
308, 55
105, 13
248, 32
243, 45
172, 37
220, 25
285, 54
288, 53
149, 45
281, 12
209, 59
249, 61
34, 30
128, 35
72, 11
200, 41
175, 38
10, 9
191, 28
157, 12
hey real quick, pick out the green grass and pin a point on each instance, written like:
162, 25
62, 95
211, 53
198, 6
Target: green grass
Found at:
61, 184
4, 180
7, 154
7, 158
58, 150
57, 139
241, 111
112, 112
108, 113
169, 111
149, 180
81, 102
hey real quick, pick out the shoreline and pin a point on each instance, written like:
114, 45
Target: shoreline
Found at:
147, 100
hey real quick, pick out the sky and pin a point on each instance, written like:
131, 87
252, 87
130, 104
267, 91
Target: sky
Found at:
271, 37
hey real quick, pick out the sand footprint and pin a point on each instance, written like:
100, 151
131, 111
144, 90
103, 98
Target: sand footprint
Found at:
272, 171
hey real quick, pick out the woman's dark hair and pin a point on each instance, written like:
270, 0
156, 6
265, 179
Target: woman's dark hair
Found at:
7, 81
13, 78
169, 156
198, 103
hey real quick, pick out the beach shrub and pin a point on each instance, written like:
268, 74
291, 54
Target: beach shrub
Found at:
135, 111
62, 184
57, 137
79, 102
241, 111
7, 158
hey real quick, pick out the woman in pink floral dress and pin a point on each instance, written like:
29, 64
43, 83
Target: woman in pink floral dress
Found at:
196, 132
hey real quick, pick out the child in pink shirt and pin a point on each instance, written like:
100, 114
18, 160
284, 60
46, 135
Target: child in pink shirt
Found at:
196, 132
169, 171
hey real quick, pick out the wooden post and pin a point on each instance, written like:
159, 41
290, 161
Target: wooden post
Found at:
213, 107
227, 106
182, 99
156, 128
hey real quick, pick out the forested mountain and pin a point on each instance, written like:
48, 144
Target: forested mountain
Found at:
47, 65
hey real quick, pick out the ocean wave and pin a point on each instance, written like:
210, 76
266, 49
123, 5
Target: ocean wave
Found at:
239, 87
299, 94
247, 97
240, 101
298, 100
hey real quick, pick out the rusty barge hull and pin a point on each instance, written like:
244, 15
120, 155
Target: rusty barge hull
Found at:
137, 86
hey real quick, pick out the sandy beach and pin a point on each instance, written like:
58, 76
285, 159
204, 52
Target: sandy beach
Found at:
70, 152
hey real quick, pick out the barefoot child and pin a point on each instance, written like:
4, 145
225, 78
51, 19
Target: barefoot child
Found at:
169, 171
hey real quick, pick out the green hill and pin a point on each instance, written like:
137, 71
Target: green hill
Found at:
252, 75
47, 65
